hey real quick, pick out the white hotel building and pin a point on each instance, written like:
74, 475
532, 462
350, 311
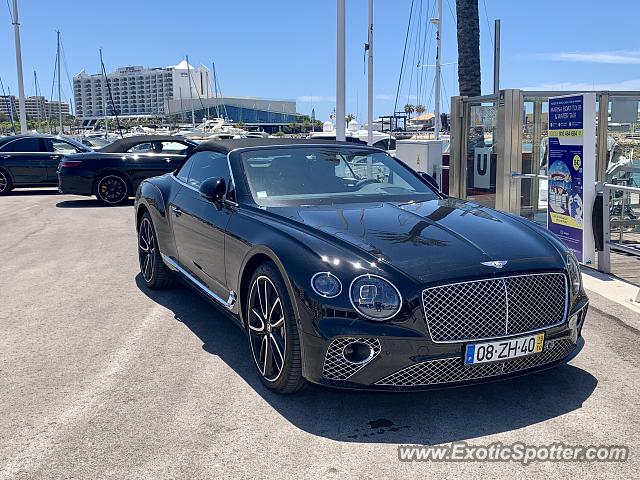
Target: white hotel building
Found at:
139, 91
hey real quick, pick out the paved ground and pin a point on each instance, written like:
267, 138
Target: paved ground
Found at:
100, 378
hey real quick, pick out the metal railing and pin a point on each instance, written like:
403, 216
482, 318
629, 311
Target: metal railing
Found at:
618, 218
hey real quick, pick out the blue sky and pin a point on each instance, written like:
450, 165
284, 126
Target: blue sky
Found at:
286, 48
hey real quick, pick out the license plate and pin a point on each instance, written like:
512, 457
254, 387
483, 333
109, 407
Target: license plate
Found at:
503, 349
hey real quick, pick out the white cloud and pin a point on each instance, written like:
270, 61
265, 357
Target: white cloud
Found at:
619, 57
385, 96
316, 99
624, 85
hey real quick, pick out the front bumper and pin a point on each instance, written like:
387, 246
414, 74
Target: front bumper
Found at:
414, 363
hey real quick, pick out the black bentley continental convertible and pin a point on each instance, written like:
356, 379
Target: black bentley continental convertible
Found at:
114, 172
348, 269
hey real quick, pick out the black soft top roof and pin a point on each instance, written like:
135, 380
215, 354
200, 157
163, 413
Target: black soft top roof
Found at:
225, 146
123, 144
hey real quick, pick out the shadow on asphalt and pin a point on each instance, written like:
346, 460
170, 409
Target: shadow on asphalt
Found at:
90, 203
438, 416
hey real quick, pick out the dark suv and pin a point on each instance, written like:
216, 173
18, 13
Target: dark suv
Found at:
32, 160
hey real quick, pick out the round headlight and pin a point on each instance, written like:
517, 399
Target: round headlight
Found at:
326, 284
374, 297
575, 276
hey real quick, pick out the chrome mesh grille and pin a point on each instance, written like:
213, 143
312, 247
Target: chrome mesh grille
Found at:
336, 367
495, 307
449, 370
535, 302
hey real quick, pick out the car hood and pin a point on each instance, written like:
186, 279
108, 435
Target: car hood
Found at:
433, 240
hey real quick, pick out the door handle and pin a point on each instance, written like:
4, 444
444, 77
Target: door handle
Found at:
168, 160
56, 157
176, 210
6, 156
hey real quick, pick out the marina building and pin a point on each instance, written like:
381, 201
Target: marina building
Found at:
138, 91
250, 111
171, 93
37, 107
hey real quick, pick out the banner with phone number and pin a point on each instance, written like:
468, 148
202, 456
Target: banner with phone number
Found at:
566, 171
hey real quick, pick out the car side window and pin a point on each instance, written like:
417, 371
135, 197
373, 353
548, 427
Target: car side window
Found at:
141, 148
183, 173
205, 165
174, 148
169, 148
62, 147
27, 145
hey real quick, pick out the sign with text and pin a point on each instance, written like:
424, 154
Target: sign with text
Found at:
482, 167
571, 173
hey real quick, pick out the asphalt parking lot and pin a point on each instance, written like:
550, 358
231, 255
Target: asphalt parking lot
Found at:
102, 378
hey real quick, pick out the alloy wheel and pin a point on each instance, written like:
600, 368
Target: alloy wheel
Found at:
112, 189
267, 328
3, 182
146, 249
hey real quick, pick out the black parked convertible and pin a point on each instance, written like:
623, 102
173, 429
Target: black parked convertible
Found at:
32, 160
348, 269
114, 173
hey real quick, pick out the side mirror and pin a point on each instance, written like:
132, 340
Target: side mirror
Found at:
213, 189
430, 180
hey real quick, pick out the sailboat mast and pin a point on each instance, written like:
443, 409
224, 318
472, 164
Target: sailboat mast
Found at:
35, 85
10, 104
181, 105
193, 114
215, 88
370, 77
104, 97
21, 101
59, 87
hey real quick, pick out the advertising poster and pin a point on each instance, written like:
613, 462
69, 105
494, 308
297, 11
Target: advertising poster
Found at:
571, 172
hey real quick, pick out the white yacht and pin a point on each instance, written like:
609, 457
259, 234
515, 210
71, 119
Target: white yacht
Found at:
355, 134
212, 128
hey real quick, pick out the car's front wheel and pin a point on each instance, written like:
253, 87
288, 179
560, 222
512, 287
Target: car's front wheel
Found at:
112, 189
272, 331
5, 183
155, 273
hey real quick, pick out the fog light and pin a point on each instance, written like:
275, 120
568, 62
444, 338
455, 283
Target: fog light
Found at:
573, 322
326, 284
357, 352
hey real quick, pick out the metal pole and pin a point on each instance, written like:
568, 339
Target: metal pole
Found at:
370, 78
602, 158
436, 110
104, 97
181, 106
193, 115
21, 102
604, 257
340, 74
59, 88
496, 57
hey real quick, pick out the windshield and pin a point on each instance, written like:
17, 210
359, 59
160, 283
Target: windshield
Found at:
324, 175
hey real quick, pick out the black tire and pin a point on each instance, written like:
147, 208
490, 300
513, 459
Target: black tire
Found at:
155, 274
266, 336
5, 183
112, 189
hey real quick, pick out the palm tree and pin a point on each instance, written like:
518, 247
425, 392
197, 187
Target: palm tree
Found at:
468, 27
420, 109
409, 109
